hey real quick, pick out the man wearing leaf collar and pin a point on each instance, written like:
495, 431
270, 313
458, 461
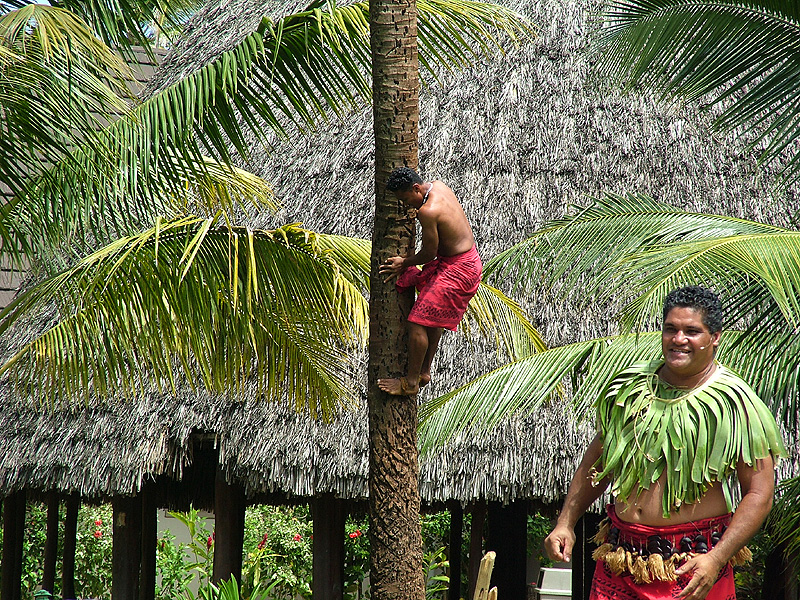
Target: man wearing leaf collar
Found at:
669, 434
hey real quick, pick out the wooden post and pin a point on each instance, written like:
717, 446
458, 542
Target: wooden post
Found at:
492, 594
456, 528
229, 508
127, 550
476, 543
484, 577
73, 503
582, 563
508, 537
13, 532
328, 563
149, 540
51, 544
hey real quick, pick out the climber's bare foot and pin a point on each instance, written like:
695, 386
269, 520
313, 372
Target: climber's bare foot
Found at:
398, 386
424, 379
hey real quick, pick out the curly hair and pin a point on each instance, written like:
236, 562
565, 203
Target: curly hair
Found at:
402, 179
698, 298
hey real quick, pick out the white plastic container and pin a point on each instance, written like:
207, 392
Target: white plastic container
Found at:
554, 584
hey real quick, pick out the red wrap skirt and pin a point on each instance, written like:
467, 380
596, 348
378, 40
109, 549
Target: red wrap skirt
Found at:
638, 562
446, 285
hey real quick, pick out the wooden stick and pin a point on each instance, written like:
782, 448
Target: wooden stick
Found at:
492, 594
484, 576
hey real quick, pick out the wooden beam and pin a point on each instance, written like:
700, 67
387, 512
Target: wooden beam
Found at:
73, 503
454, 549
509, 539
582, 563
476, 544
329, 515
229, 508
13, 533
51, 544
126, 554
147, 582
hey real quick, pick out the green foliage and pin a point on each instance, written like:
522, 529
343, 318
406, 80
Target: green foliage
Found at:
229, 590
93, 552
285, 558
356, 557
195, 558
173, 570
435, 567
539, 527
665, 45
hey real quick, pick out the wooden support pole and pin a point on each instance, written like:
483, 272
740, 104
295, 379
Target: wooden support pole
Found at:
328, 561
11, 568
476, 544
582, 563
147, 582
492, 594
454, 549
229, 509
127, 550
51, 544
507, 536
19, 523
73, 503
484, 577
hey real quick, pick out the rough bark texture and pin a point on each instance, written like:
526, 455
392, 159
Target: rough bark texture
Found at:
396, 557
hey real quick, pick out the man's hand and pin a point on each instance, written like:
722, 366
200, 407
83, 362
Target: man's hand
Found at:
705, 569
559, 543
392, 268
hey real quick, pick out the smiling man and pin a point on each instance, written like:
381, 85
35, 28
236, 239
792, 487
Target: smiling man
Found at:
670, 432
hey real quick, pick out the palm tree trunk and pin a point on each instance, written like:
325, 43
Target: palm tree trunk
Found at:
395, 539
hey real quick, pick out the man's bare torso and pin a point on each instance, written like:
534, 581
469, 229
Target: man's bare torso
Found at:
645, 508
444, 210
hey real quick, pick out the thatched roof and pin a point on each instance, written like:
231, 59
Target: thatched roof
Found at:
519, 137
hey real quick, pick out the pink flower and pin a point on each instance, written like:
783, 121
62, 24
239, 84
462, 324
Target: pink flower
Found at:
209, 542
98, 534
98, 522
297, 537
263, 542
353, 535
358, 533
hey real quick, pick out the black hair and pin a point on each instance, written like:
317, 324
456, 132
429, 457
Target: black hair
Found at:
402, 179
698, 298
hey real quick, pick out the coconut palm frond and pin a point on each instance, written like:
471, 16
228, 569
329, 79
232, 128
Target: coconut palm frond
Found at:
452, 33
493, 314
783, 521
351, 255
749, 269
222, 304
746, 54
579, 253
521, 386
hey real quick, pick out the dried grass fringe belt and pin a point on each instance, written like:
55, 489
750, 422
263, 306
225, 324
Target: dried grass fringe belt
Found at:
653, 553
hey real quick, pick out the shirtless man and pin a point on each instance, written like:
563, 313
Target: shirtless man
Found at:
450, 277
670, 532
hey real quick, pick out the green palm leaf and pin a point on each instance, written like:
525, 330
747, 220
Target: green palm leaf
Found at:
288, 74
225, 305
745, 55
522, 386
